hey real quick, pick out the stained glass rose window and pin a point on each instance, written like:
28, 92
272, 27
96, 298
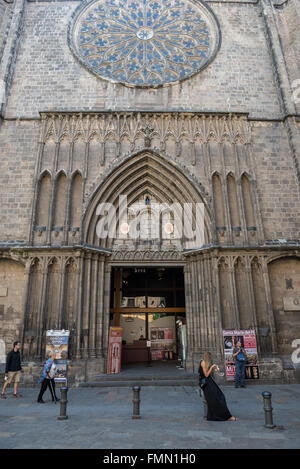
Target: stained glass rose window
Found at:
144, 42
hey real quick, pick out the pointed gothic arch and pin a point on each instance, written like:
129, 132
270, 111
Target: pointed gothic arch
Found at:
43, 198
145, 170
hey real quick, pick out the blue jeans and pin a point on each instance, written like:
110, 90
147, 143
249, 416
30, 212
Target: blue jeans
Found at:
239, 372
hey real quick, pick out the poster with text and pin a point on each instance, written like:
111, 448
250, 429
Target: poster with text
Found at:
248, 342
57, 342
114, 350
162, 341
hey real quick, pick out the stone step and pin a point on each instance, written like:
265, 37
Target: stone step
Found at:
140, 382
159, 381
143, 378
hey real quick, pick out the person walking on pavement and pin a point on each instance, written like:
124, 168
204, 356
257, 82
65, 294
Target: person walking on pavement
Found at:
13, 370
47, 380
240, 356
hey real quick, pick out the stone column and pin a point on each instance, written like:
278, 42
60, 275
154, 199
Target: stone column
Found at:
250, 293
206, 156
196, 309
240, 198
36, 185
211, 339
233, 295
270, 313
223, 180
86, 303
102, 153
189, 312
203, 313
217, 305
100, 309
106, 308
42, 306
27, 270
62, 281
53, 196
67, 210
193, 152
93, 307
254, 196
79, 289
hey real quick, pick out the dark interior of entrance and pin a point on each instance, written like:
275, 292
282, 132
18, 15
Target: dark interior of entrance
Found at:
149, 304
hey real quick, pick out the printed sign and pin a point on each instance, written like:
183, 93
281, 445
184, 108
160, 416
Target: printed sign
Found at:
162, 343
248, 342
57, 343
114, 350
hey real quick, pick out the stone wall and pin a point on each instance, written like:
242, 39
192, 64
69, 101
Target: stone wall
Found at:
48, 77
288, 19
277, 184
5, 9
285, 288
11, 301
18, 158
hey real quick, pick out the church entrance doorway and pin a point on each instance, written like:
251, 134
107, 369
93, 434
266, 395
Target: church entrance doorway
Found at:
149, 304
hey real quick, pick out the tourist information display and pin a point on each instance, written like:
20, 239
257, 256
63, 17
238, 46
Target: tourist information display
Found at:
57, 342
248, 342
114, 350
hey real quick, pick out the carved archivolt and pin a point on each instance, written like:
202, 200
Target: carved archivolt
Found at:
145, 171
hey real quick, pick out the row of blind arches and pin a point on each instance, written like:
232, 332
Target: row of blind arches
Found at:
238, 195
59, 201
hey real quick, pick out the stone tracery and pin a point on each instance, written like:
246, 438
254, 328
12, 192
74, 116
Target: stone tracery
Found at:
146, 43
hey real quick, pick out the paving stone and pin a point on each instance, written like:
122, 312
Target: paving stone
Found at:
97, 423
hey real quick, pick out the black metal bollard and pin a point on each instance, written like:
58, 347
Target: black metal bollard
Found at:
136, 402
204, 408
149, 357
268, 409
63, 404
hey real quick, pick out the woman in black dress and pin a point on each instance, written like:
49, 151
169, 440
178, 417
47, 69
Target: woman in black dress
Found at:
216, 402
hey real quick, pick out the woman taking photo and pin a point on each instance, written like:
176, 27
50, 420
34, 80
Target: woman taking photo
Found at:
216, 403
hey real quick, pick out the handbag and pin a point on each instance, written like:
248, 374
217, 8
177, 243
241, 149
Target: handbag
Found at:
52, 371
202, 382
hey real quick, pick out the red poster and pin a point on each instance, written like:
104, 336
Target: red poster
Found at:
114, 350
157, 354
230, 371
249, 341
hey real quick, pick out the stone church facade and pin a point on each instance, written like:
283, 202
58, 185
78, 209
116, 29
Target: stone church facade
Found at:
211, 116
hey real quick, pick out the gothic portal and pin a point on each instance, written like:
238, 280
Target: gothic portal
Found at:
150, 160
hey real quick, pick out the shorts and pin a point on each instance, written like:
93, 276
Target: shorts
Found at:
13, 375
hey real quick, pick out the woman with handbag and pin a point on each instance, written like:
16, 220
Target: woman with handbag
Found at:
216, 403
47, 379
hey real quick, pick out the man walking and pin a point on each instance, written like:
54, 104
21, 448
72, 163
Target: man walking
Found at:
241, 358
13, 370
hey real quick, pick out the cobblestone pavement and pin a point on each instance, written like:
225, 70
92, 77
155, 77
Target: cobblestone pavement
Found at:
171, 418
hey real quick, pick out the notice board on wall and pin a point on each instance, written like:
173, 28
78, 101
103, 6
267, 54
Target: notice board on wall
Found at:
248, 341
